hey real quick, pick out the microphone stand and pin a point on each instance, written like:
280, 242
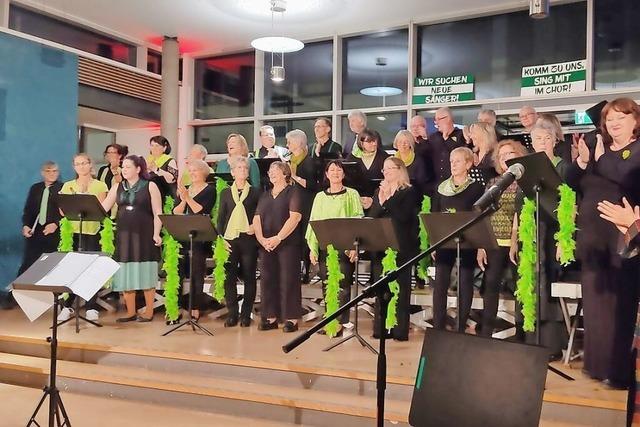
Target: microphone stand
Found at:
381, 289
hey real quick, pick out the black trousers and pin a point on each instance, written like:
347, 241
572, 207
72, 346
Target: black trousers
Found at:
90, 243
201, 250
401, 330
37, 245
242, 263
280, 287
445, 261
347, 268
497, 261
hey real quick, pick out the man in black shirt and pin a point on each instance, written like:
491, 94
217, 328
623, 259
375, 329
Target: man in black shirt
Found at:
324, 144
439, 147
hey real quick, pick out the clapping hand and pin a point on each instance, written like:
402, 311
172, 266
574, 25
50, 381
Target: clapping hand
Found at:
621, 216
183, 192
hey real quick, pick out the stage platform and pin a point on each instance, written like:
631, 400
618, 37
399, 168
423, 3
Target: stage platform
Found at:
239, 373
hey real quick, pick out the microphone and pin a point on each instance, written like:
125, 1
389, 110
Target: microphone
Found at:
492, 195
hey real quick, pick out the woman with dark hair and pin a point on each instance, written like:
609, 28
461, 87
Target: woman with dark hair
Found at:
608, 172
84, 183
238, 205
494, 261
163, 169
137, 237
396, 199
370, 164
197, 199
457, 193
110, 173
277, 227
337, 201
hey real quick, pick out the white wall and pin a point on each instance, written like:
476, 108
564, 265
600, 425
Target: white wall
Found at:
138, 140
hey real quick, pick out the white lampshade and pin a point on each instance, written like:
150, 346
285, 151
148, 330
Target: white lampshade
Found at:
277, 44
381, 91
277, 73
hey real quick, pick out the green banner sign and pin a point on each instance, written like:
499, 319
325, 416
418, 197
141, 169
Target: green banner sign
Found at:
443, 89
550, 79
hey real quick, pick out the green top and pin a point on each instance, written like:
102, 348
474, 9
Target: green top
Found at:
95, 187
344, 204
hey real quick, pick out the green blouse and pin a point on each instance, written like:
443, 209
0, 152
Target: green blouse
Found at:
344, 204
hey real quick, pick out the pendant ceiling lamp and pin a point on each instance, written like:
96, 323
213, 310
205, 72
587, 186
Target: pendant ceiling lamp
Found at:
277, 45
381, 90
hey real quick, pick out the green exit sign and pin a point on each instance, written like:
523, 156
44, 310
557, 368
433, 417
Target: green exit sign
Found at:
581, 118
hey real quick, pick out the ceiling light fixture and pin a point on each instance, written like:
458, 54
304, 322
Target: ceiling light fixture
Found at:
382, 90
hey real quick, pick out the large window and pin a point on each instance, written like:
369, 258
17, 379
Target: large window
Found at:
376, 60
495, 48
308, 82
46, 27
224, 86
617, 44
387, 124
215, 137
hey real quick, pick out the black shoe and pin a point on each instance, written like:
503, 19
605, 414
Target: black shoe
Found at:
615, 385
127, 319
174, 322
265, 325
143, 319
231, 322
245, 322
289, 326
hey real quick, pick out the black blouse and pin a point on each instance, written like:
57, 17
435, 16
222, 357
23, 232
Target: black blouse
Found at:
227, 204
205, 198
370, 177
461, 202
274, 212
402, 208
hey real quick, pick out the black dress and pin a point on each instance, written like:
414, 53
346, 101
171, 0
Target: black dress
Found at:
402, 208
201, 250
609, 282
281, 295
419, 175
243, 259
446, 258
135, 250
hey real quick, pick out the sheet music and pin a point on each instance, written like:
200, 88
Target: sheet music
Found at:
68, 270
94, 277
33, 303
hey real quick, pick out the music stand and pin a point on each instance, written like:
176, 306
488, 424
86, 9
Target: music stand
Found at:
51, 274
540, 182
367, 234
481, 235
263, 165
191, 228
81, 207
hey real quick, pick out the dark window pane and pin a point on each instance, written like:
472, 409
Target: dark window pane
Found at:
375, 60
308, 80
617, 44
215, 137
387, 124
281, 127
154, 61
49, 28
495, 48
224, 86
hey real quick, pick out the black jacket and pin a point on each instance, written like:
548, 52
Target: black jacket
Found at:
32, 205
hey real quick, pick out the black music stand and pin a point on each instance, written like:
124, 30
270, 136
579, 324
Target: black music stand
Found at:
191, 228
81, 207
540, 182
225, 176
481, 235
367, 234
263, 165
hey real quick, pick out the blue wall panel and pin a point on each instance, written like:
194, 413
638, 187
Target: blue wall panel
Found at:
38, 119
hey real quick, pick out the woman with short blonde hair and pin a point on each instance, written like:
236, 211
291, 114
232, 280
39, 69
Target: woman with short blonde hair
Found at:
405, 143
237, 147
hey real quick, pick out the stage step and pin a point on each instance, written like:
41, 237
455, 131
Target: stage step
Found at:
268, 401
97, 411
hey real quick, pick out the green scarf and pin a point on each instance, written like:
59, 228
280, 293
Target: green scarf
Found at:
238, 222
331, 296
171, 260
407, 163
389, 264
424, 239
448, 188
368, 158
567, 224
129, 194
296, 160
526, 283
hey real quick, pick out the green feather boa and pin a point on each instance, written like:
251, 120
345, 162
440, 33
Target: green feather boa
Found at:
424, 239
106, 237
331, 298
525, 286
220, 256
566, 220
221, 184
389, 264
66, 236
171, 260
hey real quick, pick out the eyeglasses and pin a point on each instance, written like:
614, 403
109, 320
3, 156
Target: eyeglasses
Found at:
387, 169
437, 119
82, 164
363, 139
